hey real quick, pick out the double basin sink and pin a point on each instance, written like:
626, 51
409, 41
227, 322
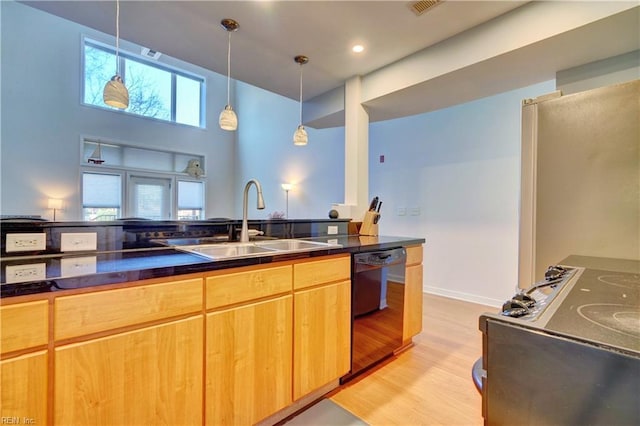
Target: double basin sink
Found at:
223, 251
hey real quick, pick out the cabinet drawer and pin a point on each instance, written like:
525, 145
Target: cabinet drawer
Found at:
104, 310
414, 255
316, 272
229, 288
24, 325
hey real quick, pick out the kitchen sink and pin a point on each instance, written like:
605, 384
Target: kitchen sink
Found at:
218, 251
291, 245
223, 251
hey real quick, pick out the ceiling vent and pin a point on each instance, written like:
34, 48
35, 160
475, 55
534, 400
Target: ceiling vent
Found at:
149, 53
420, 7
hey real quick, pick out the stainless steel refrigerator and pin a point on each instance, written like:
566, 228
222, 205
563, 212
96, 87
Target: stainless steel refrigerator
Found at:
580, 188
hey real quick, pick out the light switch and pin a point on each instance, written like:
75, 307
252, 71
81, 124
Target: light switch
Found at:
70, 241
78, 266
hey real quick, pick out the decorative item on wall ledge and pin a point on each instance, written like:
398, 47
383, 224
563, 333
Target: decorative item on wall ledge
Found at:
228, 119
115, 93
96, 156
300, 136
193, 168
54, 204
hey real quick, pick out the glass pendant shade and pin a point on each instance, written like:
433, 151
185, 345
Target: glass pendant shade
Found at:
115, 93
228, 119
300, 136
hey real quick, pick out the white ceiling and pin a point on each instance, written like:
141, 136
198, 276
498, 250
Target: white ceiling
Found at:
273, 32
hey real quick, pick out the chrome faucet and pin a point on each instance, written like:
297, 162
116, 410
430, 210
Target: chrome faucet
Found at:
244, 233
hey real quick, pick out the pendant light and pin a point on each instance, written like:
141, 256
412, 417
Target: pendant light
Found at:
300, 136
228, 119
115, 93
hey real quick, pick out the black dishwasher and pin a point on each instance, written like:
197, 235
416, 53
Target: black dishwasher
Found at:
377, 307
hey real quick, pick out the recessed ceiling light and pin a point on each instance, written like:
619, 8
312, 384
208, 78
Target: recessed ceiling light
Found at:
358, 48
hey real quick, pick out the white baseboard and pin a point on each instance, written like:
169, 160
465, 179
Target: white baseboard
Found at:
467, 297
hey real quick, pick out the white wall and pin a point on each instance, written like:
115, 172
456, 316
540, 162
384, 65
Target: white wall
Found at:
43, 119
460, 167
266, 152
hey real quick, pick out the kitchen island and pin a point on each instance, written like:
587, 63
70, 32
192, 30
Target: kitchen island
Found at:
156, 335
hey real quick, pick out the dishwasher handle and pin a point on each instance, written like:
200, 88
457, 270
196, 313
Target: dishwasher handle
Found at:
381, 258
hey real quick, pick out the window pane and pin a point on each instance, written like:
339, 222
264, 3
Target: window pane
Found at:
149, 197
149, 90
187, 101
101, 190
100, 214
190, 195
194, 214
99, 67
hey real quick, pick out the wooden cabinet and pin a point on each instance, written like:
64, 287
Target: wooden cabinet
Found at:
131, 355
322, 323
412, 322
23, 387
148, 376
248, 374
249, 341
23, 375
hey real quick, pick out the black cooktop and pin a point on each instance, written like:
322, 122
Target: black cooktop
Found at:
602, 307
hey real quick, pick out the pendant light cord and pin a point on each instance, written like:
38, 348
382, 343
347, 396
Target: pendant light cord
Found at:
229, 68
301, 94
117, 37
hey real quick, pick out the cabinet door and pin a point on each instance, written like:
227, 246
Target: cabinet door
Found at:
322, 336
248, 362
148, 376
24, 389
24, 325
412, 323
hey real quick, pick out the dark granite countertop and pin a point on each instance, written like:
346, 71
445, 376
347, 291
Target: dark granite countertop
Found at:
88, 269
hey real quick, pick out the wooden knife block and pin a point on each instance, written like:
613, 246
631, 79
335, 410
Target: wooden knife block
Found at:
370, 224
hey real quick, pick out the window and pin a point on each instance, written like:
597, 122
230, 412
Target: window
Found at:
155, 90
190, 200
134, 181
101, 196
149, 197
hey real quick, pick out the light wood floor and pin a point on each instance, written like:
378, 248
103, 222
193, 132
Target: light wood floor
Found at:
429, 384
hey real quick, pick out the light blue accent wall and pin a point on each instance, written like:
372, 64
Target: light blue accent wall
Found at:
43, 119
456, 172
266, 152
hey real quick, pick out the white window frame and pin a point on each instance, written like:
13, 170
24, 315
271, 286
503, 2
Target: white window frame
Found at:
174, 71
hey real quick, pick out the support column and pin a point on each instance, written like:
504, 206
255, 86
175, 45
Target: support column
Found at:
356, 155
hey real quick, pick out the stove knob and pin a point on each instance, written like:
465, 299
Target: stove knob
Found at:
514, 308
554, 272
528, 301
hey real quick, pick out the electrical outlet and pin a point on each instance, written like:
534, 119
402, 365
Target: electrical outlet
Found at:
23, 273
332, 229
401, 211
414, 211
78, 266
70, 241
26, 242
